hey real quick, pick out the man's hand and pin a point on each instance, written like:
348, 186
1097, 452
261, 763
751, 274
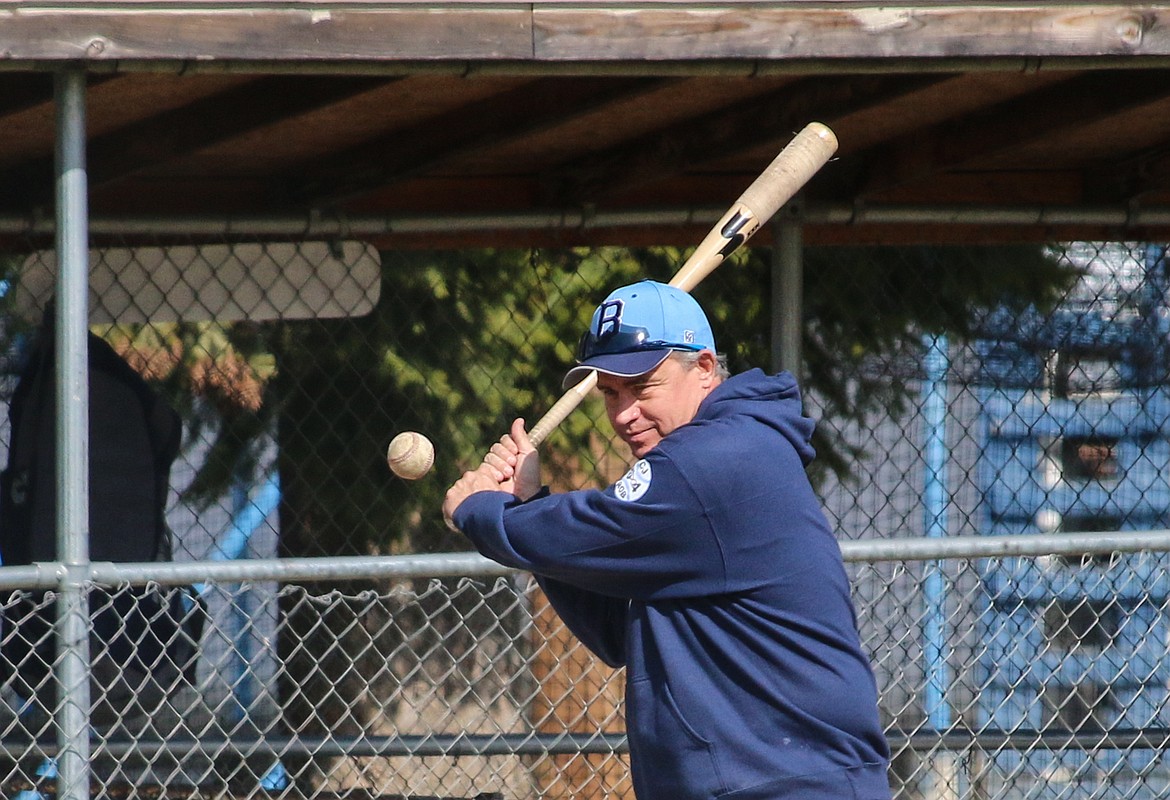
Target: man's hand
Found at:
476, 480
512, 465
516, 462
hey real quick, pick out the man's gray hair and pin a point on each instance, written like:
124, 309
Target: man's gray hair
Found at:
689, 358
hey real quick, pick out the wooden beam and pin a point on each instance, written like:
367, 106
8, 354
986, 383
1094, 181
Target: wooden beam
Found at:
553, 32
34, 91
177, 133
261, 31
225, 116
838, 30
1131, 179
966, 142
509, 116
769, 119
27, 111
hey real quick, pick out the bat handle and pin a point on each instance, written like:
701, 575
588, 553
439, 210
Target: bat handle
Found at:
561, 409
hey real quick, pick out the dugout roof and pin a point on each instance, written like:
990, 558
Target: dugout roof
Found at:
491, 123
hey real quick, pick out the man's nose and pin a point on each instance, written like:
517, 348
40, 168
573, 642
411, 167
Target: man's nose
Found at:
625, 410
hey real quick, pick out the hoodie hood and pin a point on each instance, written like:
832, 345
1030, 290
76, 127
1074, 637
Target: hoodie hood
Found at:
772, 400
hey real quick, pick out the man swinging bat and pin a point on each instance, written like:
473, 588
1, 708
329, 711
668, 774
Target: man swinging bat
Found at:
708, 571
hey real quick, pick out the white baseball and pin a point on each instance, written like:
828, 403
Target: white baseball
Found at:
410, 455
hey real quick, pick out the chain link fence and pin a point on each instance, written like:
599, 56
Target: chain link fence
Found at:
285, 617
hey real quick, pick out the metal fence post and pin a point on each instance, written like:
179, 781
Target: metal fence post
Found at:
934, 392
787, 294
72, 400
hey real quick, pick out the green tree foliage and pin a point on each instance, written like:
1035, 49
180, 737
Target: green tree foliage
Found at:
459, 345
462, 342
866, 310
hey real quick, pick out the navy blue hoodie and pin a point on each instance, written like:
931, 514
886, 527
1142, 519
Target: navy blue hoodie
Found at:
710, 573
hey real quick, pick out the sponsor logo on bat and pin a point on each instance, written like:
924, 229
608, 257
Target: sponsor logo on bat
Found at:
736, 231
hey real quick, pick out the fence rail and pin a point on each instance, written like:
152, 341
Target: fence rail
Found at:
48, 575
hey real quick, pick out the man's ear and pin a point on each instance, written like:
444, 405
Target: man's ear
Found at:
708, 365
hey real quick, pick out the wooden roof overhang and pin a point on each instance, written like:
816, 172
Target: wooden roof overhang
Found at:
556, 122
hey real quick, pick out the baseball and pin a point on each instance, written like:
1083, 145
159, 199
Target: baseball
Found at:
410, 455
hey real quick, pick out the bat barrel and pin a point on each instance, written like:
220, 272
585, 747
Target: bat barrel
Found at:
808, 151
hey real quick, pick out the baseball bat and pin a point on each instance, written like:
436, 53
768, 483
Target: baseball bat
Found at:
801, 158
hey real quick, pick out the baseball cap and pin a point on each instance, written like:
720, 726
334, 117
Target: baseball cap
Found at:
637, 327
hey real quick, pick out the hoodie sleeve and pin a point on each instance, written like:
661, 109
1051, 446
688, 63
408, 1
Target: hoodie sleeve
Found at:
598, 621
646, 537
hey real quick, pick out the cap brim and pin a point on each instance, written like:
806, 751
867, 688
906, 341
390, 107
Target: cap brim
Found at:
621, 365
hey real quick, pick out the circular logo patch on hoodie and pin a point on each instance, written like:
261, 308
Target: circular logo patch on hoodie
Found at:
634, 483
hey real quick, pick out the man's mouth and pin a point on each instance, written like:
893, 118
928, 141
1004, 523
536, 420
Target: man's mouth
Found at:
634, 437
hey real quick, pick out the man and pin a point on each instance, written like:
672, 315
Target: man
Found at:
708, 570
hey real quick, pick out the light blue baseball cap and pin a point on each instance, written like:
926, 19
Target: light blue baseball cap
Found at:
637, 327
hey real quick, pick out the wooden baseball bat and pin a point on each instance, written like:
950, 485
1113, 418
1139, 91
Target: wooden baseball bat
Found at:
808, 151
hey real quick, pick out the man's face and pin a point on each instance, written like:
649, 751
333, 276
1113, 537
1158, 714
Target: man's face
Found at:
646, 409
